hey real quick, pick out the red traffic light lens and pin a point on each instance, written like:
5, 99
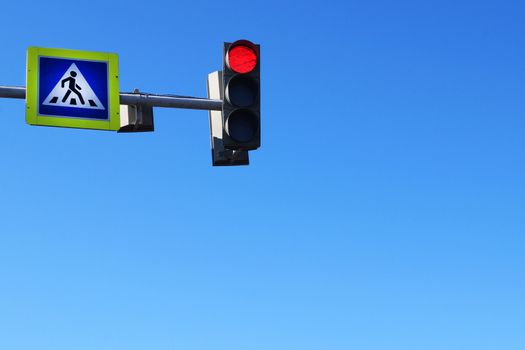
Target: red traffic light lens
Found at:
242, 59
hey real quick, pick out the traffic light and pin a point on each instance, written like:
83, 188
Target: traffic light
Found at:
241, 108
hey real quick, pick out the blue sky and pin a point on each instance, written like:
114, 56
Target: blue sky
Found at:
384, 210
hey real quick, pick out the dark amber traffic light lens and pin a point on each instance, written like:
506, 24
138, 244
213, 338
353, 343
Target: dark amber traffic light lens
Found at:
242, 59
242, 125
242, 91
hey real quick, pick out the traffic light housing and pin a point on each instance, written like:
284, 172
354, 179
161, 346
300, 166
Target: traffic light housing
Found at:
241, 84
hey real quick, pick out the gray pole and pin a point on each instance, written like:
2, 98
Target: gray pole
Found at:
138, 98
13, 91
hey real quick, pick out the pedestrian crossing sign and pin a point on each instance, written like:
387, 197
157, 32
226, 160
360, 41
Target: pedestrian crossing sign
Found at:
70, 88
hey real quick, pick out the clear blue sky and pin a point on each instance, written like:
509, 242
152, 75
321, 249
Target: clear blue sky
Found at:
385, 209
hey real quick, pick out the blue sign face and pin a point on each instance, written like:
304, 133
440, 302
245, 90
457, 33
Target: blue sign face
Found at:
73, 88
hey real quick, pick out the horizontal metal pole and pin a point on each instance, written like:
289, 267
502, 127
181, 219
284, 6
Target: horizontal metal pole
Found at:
13, 91
170, 101
135, 98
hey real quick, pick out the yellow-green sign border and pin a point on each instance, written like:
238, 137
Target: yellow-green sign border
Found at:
32, 116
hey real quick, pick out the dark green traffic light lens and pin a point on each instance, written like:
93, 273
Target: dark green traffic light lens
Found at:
242, 125
242, 91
